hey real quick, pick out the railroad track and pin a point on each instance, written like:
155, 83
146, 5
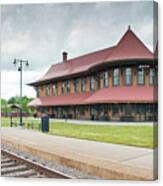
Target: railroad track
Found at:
14, 165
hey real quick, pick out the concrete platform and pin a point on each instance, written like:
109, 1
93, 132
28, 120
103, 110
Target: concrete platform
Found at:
108, 161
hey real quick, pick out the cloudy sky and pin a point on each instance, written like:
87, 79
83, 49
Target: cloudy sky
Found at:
40, 33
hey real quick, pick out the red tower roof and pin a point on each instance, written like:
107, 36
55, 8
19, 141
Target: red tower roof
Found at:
130, 47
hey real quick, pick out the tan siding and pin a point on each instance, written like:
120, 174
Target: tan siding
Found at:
121, 77
101, 80
88, 84
72, 86
134, 76
110, 78
41, 89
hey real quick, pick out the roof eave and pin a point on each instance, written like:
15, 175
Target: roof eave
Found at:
109, 62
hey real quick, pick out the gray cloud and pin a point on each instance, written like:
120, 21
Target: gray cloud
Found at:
41, 32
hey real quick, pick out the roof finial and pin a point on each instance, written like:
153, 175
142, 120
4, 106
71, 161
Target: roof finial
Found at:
129, 27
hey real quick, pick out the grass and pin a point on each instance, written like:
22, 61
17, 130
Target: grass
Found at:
140, 136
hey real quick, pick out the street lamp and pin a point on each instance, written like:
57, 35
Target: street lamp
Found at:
20, 63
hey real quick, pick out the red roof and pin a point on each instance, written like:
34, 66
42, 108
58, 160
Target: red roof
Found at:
133, 94
71, 99
129, 47
122, 95
76, 65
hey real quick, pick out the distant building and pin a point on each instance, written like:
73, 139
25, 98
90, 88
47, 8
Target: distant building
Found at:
117, 83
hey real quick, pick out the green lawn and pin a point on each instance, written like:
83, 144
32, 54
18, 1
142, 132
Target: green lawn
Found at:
141, 136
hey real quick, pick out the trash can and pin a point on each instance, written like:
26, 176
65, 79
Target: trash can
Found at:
45, 124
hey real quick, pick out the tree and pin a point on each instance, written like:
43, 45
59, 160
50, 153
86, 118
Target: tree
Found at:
16, 100
4, 106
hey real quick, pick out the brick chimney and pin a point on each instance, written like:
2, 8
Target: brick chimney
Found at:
64, 56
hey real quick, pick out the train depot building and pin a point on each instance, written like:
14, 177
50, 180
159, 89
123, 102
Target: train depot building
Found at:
113, 84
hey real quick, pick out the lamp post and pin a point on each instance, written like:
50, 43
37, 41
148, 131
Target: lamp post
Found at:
20, 63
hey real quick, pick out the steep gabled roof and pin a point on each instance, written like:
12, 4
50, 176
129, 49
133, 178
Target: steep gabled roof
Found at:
129, 47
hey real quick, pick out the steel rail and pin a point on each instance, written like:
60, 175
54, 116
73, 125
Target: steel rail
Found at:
43, 169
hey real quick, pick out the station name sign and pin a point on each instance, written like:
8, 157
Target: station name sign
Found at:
143, 66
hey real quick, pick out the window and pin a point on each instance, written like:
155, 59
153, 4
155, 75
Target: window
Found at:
76, 85
116, 77
47, 90
92, 83
115, 109
151, 76
103, 110
84, 81
106, 79
54, 89
63, 87
37, 91
128, 76
141, 76
68, 87
128, 109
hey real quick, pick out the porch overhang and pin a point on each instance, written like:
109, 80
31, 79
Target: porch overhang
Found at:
133, 94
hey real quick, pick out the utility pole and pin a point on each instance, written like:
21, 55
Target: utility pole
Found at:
20, 63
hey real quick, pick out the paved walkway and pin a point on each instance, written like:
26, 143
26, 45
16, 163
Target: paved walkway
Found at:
115, 161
